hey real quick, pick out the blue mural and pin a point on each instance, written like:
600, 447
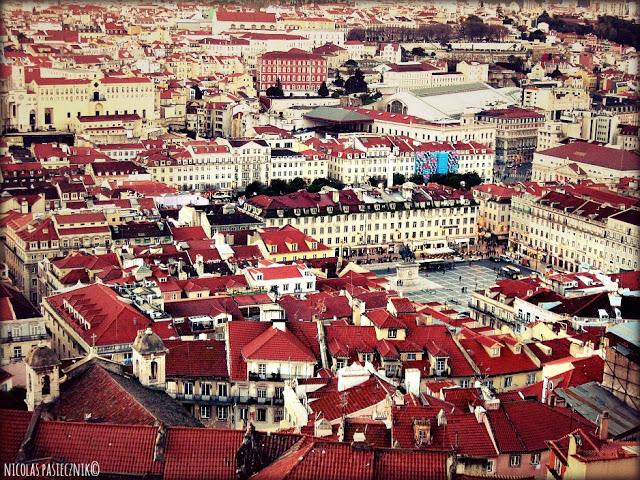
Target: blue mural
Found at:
430, 163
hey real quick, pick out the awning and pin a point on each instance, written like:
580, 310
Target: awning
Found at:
438, 251
461, 240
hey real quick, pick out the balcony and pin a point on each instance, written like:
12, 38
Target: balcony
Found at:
207, 399
271, 377
24, 338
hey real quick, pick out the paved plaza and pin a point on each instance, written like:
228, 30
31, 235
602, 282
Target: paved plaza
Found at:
447, 287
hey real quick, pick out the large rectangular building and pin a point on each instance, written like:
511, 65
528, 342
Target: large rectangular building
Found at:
297, 70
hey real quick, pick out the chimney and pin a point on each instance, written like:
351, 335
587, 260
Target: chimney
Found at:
480, 412
280, 324
603, 425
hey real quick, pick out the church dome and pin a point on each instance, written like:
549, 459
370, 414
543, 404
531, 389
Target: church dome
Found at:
148, 342
42, 356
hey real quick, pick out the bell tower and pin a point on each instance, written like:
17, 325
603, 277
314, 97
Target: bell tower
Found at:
43, 376
148, 359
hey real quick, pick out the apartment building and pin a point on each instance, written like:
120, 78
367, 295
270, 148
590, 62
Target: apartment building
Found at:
494, 211
516, 132
21, 328
580, 160
554, 99
230, 164
566, 231
425, 217
297, 70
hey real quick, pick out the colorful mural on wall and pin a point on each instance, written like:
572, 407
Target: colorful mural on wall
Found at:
430, 163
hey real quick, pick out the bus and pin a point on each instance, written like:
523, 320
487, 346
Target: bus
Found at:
510, 271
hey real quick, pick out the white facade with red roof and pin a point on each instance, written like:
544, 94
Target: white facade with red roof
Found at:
294, 279
599, 163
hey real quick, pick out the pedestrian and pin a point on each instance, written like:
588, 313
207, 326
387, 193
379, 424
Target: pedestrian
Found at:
460, 279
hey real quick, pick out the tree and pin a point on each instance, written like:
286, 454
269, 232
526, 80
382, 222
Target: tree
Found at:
473, 28
356, 34
497, 32
356, 83
276, 90
417, 179
418, 52
318, 183
296, 184
278, 187
454, 180
338, 81
399, 179
254, 188
323, 91
537, 35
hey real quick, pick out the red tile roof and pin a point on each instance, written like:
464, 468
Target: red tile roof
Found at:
365, 395
13, 425
118, 449
597, 155
205, 454
111, 320
522, 427
245, 16
241, 333
277, 345
196, 358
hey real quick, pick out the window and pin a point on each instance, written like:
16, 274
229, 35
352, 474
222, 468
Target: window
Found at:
514, 461
507, 382
531, 378
279, 392
262, 369
205, 411
440, 363
261, 414
489, 466
17, 352
393, 333
535, 458
411, 356
464, 383
339, 364
243, 413
222, 389
206, 389
188, 388
278, 415
154, 370
557, 466
46, 385
222, 413
262, 392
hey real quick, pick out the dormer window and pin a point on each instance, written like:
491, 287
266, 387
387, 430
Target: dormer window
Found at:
274, 248
495, 352
441, 362
392, 333
294, 247
259, 276
314, 245
329, 209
